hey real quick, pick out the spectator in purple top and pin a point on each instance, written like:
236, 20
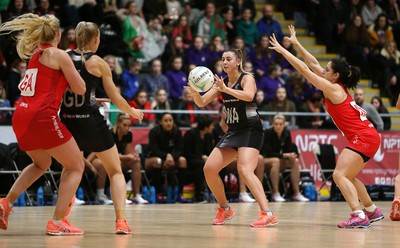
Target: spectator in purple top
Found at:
262, 57
215, 49
177, 78
270, 82
198, 54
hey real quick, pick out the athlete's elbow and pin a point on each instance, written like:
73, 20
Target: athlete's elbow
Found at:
80, 90
200, 105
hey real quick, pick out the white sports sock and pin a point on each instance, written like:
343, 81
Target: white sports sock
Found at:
371, 208
360, 213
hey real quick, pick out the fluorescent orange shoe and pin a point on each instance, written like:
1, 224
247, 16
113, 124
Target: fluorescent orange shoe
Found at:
122, 227
395, 212
70, 207
265, 219
5, 211
223, 216
62, 229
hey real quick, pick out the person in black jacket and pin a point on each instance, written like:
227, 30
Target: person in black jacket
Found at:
165, 152
198, 144
279, 155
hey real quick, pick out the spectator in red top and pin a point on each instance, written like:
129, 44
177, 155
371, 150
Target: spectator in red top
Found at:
141, 101
187, 103
182, 29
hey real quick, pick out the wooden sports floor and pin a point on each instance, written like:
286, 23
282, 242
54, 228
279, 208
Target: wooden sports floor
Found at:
188, 225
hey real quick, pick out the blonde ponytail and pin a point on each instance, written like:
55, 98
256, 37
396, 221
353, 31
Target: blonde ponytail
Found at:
84, 33
33, 31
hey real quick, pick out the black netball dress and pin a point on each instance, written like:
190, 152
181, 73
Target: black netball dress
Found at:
244, 123
81, 114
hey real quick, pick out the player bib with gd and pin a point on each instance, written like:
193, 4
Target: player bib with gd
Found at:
28, 83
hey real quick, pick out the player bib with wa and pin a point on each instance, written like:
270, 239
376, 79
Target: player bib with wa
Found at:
28, 83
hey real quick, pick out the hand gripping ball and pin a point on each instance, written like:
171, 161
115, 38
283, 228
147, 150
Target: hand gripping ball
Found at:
201, 79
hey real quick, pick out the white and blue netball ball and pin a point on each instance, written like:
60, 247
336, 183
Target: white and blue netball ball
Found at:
201, 79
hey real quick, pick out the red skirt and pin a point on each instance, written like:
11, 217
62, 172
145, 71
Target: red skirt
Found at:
39, 130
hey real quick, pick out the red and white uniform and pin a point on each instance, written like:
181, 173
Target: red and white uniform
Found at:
352, 121
35, 121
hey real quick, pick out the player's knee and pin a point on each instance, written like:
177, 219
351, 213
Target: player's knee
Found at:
244, 171
337, 175
208, 169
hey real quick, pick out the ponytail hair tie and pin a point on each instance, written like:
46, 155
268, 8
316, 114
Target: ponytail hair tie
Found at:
348, 67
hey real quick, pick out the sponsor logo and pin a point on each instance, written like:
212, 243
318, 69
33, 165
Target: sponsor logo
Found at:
306, 142
57, 127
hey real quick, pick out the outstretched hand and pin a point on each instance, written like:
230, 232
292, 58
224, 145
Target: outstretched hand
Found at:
274, 44
292, 39
137, 114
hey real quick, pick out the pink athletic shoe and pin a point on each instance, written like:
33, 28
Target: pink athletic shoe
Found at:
355, 222
374, 216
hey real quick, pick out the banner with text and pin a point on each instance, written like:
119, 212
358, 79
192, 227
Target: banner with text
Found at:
381, 170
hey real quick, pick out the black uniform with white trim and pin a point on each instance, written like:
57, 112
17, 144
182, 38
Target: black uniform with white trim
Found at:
81, 114
244, 123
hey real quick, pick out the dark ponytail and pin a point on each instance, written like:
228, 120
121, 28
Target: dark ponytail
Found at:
349, 75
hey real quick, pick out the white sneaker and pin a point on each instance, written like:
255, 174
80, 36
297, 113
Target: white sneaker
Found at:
300, 198
128, 202
278, 198
245, 197
138, 199
104, 200
79, 202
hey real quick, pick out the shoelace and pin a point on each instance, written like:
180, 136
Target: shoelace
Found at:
351, 220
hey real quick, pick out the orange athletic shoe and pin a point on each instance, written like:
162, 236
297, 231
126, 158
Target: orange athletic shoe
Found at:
70, 207
5, 211
122, 227
62, 229
265, 219
395, 213
223, 216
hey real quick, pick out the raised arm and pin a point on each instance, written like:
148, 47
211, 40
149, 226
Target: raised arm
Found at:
113, 93
310, 60
333, 91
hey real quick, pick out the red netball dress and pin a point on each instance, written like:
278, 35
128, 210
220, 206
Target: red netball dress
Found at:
352, 121
35, 121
